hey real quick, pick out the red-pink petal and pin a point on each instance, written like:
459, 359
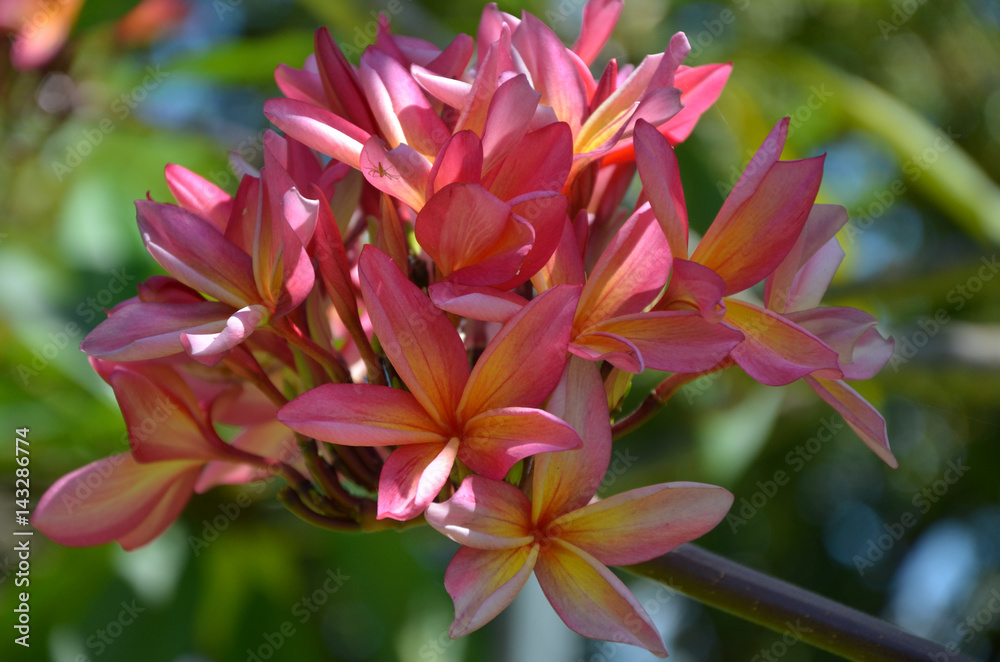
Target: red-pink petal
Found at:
694, 286
238, 328
412, 476
199, 196
480, 303
801, 279
318, 128
421, 343
700, 87
661, 181
774, 350
524, 361
553, 72
599, 19
496, 440
360, 415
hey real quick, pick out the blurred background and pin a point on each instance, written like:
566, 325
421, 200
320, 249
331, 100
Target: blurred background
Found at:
903, 97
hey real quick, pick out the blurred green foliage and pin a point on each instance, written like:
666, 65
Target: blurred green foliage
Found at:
871, 83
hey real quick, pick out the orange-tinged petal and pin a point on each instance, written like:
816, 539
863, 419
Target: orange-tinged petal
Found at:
107, 499
762, 217
644, 523
859, 414
496, 440
774, 350
610, 347
421, 343
482, 582
412, 476
565, 481
167, 509
629, 274
484, 514
524, 361
361, 415
591, 600
661, 181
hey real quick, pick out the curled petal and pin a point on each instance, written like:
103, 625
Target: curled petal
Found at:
412, 476
238, 328
318, 128
480, 303
484, 514
496, 440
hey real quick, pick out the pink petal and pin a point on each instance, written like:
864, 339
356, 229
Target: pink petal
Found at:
271, 440
480, 303
109, 498
412, 476
483, 582
541, 162
545, 213
610, 347
629, 274
400, 108
140, 331
592, 601
162, 515
496, 440
775, 351
700, 87
762, 217
340, 84
196, 253
565, 481
675, 341
859, 414
507, 120
238, 328
484, 514
693, 286
161, 425
421, 343
199, 196
300, 85
524, 361
801, 279
402, 172
644, 523
661, 182
318, 128
462, 224
360, 415
460, 160
454, 59
552, 71
599, 19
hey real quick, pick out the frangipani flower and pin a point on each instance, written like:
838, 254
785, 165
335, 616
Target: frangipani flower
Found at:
564, 538
486, 418
769, 227
133, 497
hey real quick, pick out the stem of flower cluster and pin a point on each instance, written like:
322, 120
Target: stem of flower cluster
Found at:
333, 366
788, 609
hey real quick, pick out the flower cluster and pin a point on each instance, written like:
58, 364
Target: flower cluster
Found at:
430, 300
